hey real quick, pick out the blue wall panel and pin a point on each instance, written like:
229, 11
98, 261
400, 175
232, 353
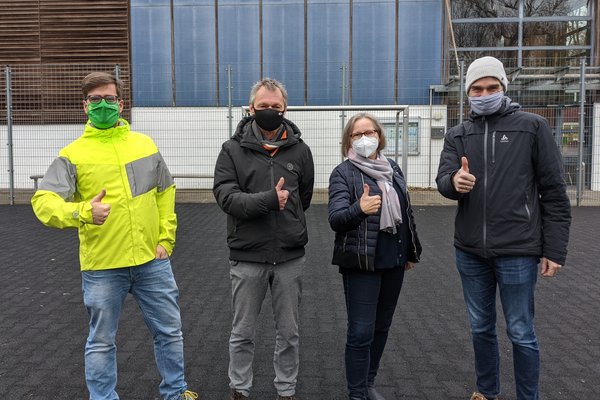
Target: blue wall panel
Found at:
151, 53
195, 53
327, 50
373, 42
420, 49
283, 46
328, 24
239, 46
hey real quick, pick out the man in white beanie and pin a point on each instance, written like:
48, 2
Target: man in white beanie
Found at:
505, 169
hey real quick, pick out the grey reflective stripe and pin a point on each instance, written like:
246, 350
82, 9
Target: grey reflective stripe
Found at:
165, 179
61, 178
148, 173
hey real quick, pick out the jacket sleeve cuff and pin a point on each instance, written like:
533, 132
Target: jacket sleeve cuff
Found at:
168, 246
85, 213
272, 200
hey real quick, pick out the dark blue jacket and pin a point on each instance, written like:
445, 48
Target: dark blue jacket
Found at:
356, 232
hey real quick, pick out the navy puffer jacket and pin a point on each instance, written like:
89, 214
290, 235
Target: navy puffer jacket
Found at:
356, 233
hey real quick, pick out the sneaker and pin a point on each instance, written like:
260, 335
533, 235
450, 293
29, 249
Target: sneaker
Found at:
479, 396
189, 395
292, 397
235, 395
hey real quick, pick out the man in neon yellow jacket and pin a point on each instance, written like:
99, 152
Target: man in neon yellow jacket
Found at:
114, 187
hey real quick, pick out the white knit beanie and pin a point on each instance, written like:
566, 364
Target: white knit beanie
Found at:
484, 67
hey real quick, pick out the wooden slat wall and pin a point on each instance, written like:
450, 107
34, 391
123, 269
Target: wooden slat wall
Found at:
51, 45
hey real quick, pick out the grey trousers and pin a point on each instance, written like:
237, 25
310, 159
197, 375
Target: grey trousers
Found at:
249, 284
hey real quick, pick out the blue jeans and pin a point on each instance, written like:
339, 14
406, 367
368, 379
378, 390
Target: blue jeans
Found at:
515, 277
371, 299
154, 288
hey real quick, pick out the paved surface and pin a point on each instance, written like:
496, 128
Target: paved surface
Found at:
43, 323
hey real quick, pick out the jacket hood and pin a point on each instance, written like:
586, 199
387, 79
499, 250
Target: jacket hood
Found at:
243, 132
121, 130
507, 107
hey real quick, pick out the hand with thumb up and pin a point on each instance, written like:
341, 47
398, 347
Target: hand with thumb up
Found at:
463, 181
369, 204
100, 210
282, 194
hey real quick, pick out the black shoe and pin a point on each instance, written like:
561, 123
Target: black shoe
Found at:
374, 394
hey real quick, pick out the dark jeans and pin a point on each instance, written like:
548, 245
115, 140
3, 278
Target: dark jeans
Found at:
371, 299
515, 278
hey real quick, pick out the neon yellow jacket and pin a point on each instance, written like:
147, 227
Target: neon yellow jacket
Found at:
139, 188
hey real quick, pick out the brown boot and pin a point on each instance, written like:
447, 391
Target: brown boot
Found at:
479, 396
235, 395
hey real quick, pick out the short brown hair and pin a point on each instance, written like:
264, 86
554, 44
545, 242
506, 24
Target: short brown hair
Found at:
347, 133
96, 79
270, 84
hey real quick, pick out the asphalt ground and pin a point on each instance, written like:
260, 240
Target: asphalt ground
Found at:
43, 324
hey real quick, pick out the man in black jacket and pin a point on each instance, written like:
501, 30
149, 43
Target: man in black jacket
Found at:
264, 179
505, 169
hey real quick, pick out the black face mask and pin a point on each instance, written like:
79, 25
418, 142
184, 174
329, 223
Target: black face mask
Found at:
268, 119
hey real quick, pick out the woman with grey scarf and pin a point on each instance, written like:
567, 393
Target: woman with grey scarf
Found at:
375, 243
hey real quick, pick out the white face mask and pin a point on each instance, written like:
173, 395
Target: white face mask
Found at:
365, 146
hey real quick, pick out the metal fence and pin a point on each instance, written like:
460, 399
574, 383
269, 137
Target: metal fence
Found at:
41, 112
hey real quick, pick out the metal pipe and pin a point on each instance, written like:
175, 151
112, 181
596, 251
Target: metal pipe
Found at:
430, 130
343, 102
9, 133
405, 144
397, 137
462, 92
580, 176
229, 101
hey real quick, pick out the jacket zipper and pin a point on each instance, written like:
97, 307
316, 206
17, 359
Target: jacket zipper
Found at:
362, 177
485, 178
494, 147
126, 181
272, 173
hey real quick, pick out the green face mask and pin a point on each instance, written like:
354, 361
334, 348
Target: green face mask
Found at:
103, 115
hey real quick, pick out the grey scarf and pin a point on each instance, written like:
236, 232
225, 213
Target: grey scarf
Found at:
381, 170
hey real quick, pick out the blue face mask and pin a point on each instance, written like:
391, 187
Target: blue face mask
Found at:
486, 105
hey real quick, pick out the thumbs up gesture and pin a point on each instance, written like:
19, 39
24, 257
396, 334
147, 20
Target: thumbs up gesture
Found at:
369, 204
100, 210
282, 194
463, 181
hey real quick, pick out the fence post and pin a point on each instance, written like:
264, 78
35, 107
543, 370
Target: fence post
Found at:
9, 125
462, 92
405, 144
580, 176
343, 100
229, 100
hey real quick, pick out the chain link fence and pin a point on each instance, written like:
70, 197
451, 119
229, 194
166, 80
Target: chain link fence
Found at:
190, 110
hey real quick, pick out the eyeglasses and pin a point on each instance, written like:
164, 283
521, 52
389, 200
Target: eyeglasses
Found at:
369, 133
97, 99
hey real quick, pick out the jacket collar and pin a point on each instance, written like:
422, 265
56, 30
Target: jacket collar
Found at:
120, 131
244, 135
507, 107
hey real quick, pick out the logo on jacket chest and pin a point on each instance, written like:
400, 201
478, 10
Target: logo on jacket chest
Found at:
290, 166
504, 139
